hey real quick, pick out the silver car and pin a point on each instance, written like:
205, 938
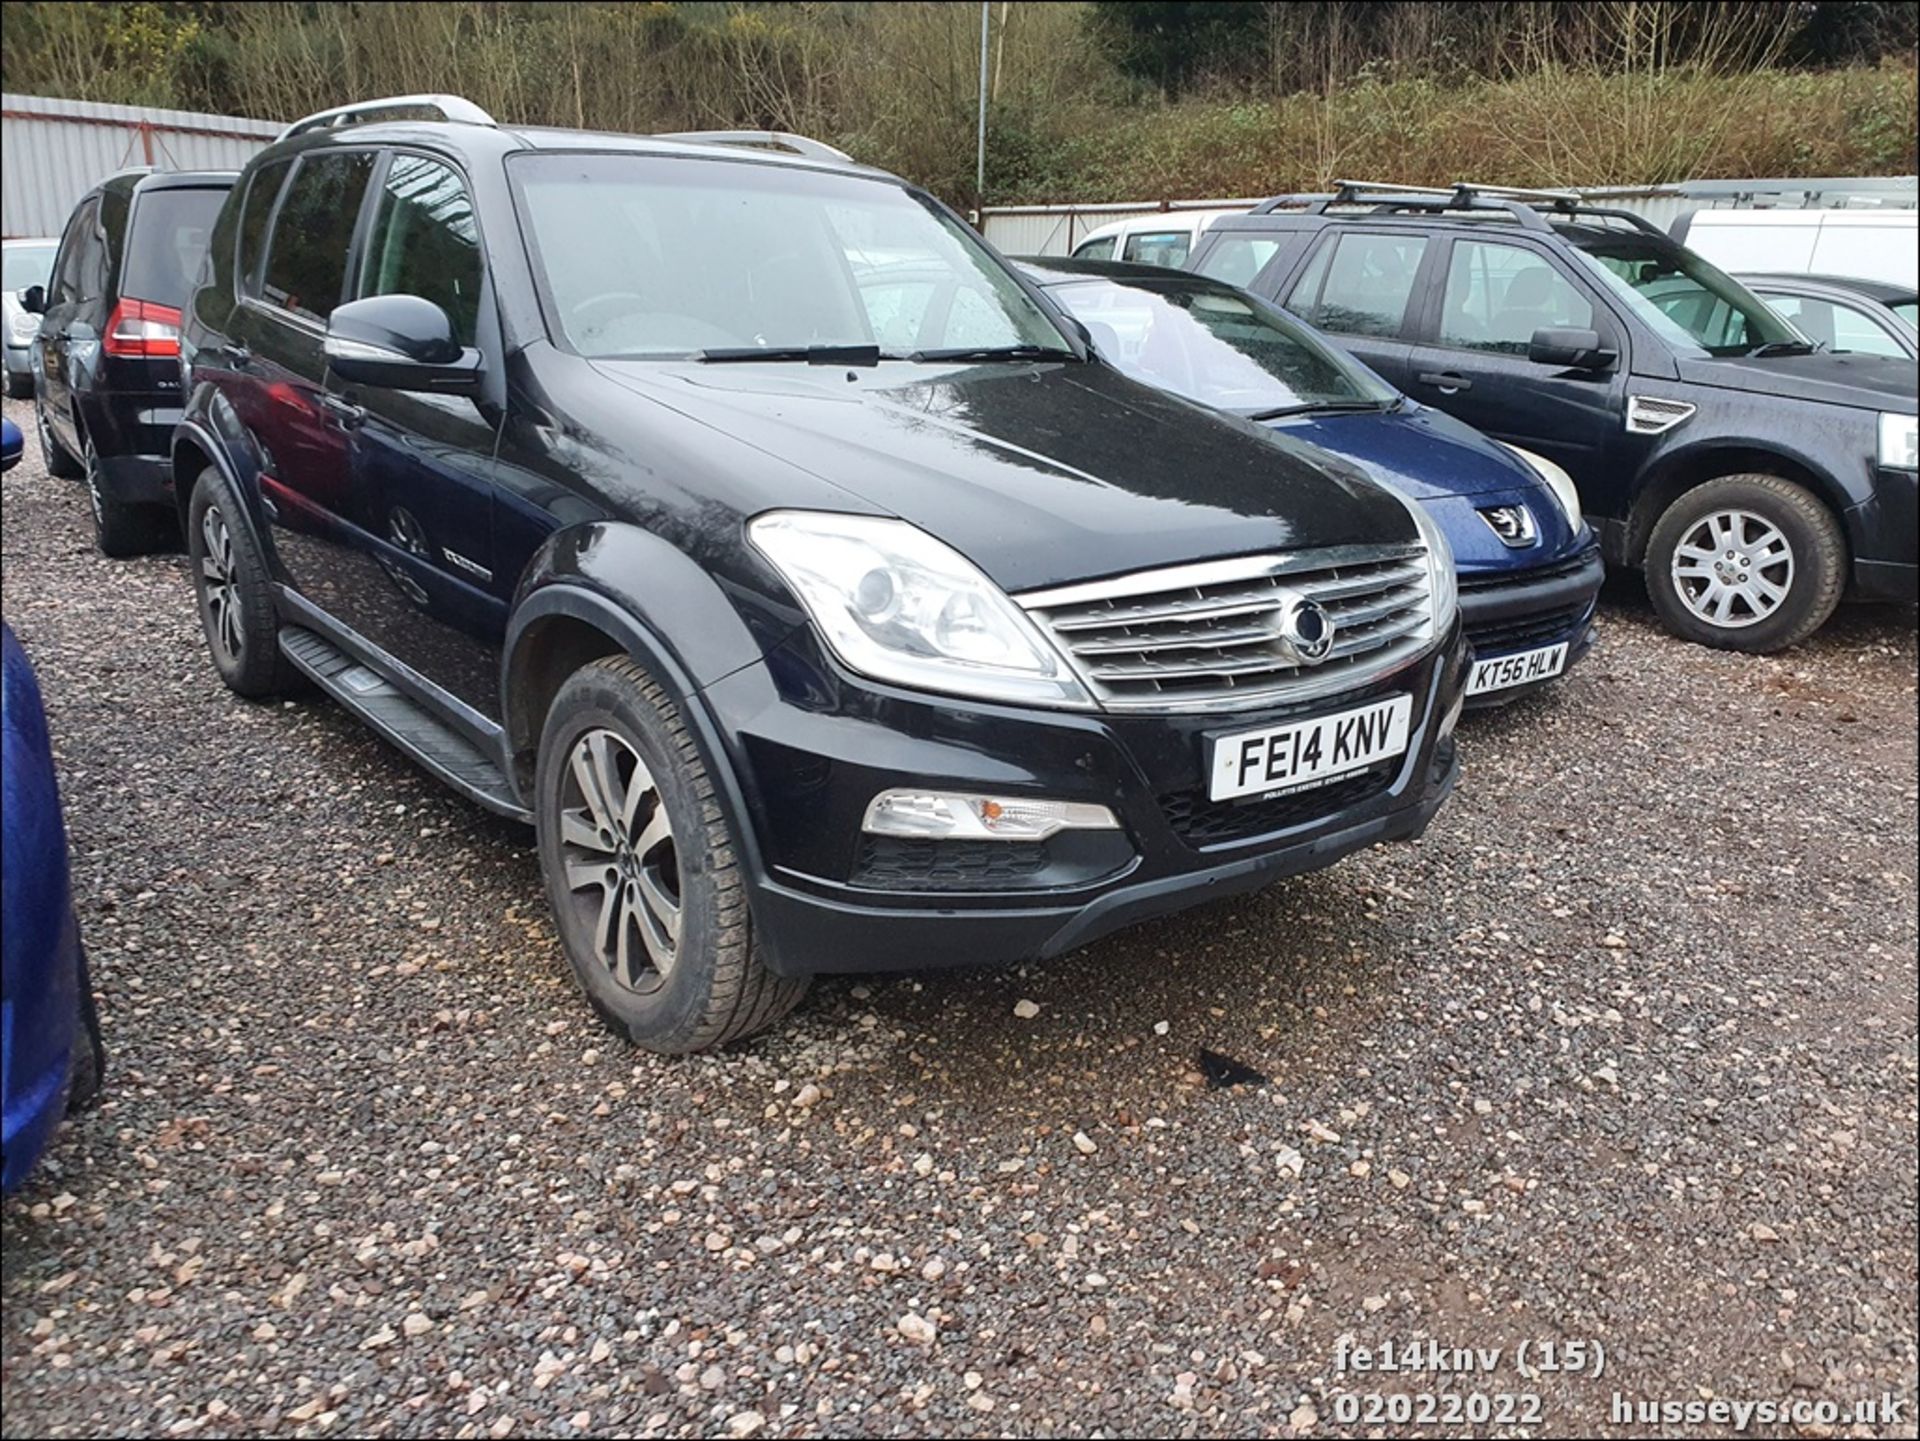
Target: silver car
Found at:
23, 263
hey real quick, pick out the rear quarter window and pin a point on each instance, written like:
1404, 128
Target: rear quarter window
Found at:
168, 244
263, 188
1236, 259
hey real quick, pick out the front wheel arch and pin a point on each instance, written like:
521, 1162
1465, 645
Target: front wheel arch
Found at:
1691, 469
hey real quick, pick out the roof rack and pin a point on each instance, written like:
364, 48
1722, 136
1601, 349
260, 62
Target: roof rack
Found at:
395, 107
763, 140
1523, 206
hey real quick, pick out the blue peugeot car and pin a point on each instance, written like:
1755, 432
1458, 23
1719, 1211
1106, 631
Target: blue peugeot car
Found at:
50, 1052
1529, 566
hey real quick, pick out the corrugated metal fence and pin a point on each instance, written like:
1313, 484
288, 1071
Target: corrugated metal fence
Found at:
53, 151
1056, 229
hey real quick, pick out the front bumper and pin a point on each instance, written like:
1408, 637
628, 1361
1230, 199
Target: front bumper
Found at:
1882, 532
19, 361
1510, 612
810, 747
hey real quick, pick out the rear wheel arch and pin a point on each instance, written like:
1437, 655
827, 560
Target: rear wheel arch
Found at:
189, 459
1690, 469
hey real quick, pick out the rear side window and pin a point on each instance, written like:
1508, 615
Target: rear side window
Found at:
262, 190
1101, 249
169, 244
1163, 247
1236, 259
307, 256
1359, 284
424, 242
1498, 295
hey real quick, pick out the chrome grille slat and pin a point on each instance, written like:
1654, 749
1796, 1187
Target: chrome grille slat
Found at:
1160, 615
1172, 640
1208, 636
1355, 612
1362, 584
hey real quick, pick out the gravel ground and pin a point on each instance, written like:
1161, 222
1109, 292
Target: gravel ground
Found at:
1623, 1051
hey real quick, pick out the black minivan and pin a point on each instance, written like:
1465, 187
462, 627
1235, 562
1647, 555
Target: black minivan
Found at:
106, 360
745, 523
1752, 476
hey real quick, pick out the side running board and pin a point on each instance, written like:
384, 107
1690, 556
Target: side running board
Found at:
429, 740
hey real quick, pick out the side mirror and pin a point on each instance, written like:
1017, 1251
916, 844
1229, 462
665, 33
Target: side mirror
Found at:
1569, 349
12, 445
33, 300
400, 342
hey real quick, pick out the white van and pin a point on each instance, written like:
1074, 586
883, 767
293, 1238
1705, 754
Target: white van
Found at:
1162, 239
1879, 245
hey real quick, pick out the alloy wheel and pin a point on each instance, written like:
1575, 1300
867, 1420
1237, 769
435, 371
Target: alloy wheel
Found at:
220, 586
1733, 568
622, 868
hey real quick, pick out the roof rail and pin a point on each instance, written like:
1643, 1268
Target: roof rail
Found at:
394, 107
1523, 206
765, 139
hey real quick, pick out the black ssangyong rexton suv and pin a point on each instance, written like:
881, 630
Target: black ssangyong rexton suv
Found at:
745, 523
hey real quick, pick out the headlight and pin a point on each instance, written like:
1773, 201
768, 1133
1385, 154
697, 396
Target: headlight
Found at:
1442, 584
1557, 481
897, 605
1900, 442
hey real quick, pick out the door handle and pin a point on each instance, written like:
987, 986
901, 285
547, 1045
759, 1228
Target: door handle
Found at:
1449, 383
349, 415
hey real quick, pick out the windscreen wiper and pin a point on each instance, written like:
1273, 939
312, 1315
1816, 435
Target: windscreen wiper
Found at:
1318, 407
996, 352
793, 354
1783, 347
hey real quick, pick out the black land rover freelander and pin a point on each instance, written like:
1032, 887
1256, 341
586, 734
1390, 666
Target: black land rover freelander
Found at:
1754, 477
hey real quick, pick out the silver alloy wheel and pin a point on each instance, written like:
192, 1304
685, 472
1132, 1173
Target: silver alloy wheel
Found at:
616, 839
218, 584
1733, 568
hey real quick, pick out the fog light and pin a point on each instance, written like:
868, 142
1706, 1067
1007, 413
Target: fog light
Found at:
944, 815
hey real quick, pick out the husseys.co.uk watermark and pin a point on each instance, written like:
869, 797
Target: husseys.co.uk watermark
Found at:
1886, 1409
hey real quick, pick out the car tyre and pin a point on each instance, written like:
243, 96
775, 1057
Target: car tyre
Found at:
59, 461
230, 581
120, 528
642, 869
1749, 562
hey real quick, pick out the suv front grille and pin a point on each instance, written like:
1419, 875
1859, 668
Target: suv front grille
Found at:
1207, 636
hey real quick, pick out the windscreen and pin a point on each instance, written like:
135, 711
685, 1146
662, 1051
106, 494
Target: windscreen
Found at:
650, 257
1693, 306
1215, 347
25, 266
169, 244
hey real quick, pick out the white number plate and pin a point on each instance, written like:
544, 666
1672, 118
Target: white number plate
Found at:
1521, 669
1307, 753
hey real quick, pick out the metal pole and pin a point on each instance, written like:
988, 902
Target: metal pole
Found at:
980, 156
